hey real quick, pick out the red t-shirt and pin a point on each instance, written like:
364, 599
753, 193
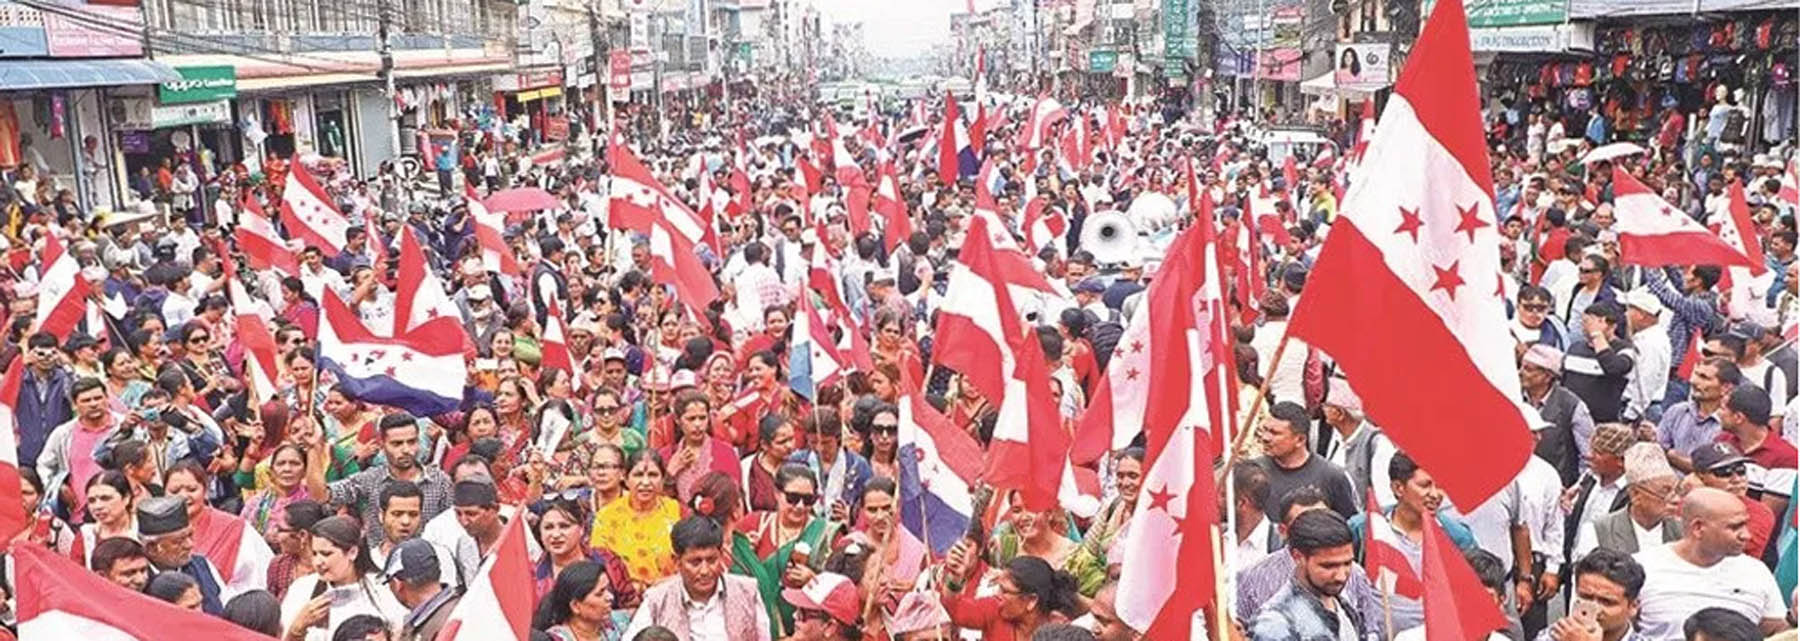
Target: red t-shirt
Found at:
1776, 458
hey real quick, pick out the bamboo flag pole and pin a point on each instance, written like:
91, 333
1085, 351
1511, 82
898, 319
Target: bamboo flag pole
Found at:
1262, 394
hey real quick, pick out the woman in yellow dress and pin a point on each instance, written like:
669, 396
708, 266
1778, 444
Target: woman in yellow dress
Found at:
636, 526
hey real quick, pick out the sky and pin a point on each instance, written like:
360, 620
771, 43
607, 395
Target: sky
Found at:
899, 27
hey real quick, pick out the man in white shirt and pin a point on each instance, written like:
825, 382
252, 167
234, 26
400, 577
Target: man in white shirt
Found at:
1256, 536
1648, 380
759, 282
315, 277
1707, 568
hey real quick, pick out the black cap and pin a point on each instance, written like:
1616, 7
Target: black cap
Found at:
161, 515
1712, 456
413, 561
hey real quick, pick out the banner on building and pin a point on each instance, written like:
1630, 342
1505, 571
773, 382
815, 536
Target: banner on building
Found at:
199, 84
1102, 61
1512, 13
1362, 66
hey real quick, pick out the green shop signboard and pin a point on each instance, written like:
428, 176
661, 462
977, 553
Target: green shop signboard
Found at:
199, 84
1508, 13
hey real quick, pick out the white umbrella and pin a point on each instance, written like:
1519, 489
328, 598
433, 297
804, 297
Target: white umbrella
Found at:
1611, 151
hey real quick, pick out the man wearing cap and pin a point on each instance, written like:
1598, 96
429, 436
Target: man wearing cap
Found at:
1570, 423
921, 617
1722, 467
1130, 281
1744, 424
1650, 377
413, 574
169, 544
1649, 519
481, 316
825, 609
1601, 491
1356, 445
1088, 296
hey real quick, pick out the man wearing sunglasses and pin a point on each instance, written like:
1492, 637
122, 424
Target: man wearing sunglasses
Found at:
1745, 424
1722, 467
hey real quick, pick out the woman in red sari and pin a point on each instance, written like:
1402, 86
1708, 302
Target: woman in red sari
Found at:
697, 452
235, 548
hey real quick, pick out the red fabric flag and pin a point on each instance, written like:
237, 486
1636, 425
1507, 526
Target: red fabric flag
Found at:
1654, 233
1457, 606
1403, 295
62, 290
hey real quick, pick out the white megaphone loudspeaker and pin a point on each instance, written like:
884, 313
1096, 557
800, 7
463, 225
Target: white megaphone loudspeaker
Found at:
1110, 237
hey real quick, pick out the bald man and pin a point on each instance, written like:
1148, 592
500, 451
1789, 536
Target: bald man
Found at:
1707, 568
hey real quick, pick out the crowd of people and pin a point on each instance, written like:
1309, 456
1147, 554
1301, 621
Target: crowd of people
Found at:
697, 495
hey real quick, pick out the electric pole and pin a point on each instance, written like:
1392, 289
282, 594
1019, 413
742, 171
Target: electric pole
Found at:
601, 61
386, 49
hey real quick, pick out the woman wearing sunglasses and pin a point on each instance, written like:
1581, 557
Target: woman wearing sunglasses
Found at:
785, 547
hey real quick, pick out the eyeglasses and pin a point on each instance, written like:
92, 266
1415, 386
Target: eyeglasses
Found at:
1736, 469
609, 409
889, 428
811, 615
1711, 353
800, 498
1538, 308
1589, 270
199, 339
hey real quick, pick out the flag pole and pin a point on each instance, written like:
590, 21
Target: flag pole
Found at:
1262, 394
1221, 620
1387, 610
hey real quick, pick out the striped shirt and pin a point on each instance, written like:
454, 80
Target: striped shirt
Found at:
1683, 428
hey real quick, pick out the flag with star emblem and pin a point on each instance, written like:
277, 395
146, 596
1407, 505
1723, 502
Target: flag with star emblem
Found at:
262, 246
407, 371
1405, 294
1186, 412
897, 225
1745, 283
489, 226
419, 297
1654, 233
62, 290
309, 214
813, 357
641, 203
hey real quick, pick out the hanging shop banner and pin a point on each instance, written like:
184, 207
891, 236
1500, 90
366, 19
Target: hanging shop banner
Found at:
1280, 64
85, 37
143, 114
1102, 61
1178, 41
1362, 66
618, 65
199, 84
1510, 13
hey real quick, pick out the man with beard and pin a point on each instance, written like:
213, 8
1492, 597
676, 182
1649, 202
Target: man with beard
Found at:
399, 433
1321, 545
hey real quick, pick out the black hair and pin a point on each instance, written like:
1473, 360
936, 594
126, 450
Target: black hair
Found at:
646, 454
169, 586
304, 513
1720, 624
880, 484
41, 340
1294, 414
1401, 468
344, 534
769, 426
1727, 370
790, 471
83, 385
256, 610
1252, 482
399, 489
1055, 589
112, 550
656, 633
1135, 453
1615, 566
1062, 632
696, 532
359, 627
1302, 495
1752, 402
1051, 342
396, 421
1316, 530
1488, 568
1735, 344
573, 583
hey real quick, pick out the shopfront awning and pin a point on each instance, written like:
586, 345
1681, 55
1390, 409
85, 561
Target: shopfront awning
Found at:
18, 75
1325, 84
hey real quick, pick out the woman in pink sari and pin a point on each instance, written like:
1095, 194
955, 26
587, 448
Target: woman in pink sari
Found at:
235, 549
697, 451
892, 557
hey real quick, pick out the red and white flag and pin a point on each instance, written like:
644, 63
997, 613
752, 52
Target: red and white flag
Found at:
378, 250
490, 229
62, 291
1745, 283
250, 328
61, 600
498, 604
1387, 566
1045, 113
896, 224
1406, 292
1178, 507
1029, 452
1044, 224
640, 203
1790, 184
309, 213
262, 245
710, 205
12, 505
1654, 233
420, 297
1692, 356
556, 347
